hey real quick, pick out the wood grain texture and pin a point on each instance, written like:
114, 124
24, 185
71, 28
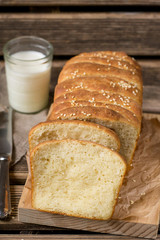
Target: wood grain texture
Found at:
66, 237
78, 3
72, 33
29, 215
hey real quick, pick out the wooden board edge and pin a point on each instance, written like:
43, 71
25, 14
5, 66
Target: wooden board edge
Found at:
112, 226
118, 227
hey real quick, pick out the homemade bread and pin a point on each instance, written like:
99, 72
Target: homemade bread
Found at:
110, 55
104, 88
76, 178
79, 130
105, 98
126, 130
124, 112
101, 85
84, 69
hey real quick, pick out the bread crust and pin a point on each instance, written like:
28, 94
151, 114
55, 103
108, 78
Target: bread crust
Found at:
97, 70
94, 96
124, 112
111, 55
88, 113
101, 85
109, 61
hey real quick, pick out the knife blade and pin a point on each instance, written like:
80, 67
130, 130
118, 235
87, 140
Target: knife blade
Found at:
5, 158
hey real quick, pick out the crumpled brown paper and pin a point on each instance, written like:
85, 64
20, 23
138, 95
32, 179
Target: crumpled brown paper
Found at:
139, 197
22, 123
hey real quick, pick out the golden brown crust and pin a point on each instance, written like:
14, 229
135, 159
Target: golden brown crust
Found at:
124, 112
89, 113
75, 122
96, 70
121, 56
105, 61
102, 85
116, 99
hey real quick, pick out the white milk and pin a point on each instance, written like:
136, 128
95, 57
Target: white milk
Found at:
28, 81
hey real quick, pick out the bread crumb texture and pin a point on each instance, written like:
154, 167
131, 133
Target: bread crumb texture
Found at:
76, 178
77, 130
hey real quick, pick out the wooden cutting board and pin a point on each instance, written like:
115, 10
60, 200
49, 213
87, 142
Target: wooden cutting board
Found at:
140, 219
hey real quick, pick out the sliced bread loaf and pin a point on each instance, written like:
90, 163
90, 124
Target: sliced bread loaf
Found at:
124, 112
101, 85
109, 61
78, 130
94, 96
76, 178
110, 55
97, 70
127, 131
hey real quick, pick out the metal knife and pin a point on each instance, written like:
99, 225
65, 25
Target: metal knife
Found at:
5, 158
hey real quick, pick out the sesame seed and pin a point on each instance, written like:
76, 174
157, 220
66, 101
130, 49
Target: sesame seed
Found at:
142, 194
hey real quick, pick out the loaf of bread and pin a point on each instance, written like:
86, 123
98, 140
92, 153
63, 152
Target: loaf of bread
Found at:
75, 165
104, 88
79, 130
76, 178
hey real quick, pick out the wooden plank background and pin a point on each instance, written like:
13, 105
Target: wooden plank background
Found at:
72, 27
137, 34
78, 3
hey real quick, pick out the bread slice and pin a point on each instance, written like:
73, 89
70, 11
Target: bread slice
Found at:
97, 70
127, 131
94, 96
101, 85
76, 178
78, 130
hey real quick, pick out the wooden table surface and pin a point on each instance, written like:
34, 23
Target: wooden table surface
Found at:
72, 27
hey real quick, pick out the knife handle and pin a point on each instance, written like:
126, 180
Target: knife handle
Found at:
5, 202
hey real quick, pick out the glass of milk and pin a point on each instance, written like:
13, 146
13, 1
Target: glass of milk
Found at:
28, 62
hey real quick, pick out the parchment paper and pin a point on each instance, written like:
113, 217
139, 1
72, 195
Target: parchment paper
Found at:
139, 197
